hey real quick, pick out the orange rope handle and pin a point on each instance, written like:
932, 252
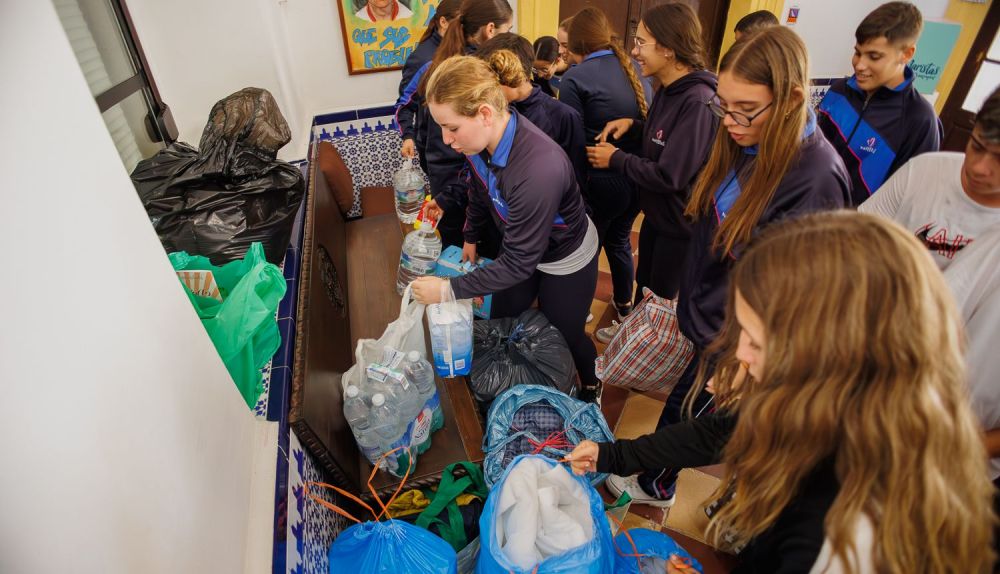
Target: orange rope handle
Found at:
402, 482
333, 507
635, 549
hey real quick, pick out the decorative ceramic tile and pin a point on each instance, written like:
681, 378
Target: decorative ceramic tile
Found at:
311, 527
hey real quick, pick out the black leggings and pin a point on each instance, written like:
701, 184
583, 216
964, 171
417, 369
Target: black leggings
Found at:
615, 203
565, 301
661, 262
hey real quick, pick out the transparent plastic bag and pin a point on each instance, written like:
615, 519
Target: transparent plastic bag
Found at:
450, 324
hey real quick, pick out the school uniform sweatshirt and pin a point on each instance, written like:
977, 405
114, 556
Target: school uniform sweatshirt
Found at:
562, 123
816, 181
876, 134
409, 100
528, 189
677, 137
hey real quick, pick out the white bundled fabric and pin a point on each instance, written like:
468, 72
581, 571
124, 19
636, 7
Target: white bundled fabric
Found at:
542, 512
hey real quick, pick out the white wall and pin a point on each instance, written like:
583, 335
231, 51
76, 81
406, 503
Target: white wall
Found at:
202, 50
828, 29
126, 446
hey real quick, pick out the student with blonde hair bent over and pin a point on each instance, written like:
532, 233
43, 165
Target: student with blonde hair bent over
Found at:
522, 181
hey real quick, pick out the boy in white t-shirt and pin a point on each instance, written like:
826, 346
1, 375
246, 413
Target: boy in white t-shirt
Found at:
974, 279
945, 198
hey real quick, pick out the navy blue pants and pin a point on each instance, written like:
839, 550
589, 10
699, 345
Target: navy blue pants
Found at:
661, 483
661, 262
565, 301
615, 204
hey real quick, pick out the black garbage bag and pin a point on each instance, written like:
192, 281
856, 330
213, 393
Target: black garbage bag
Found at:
218, 200
526, 350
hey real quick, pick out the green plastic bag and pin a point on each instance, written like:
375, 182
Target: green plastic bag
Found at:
242, 326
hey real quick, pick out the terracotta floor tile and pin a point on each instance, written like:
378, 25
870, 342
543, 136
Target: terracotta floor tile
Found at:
687, 515
712, 561
597, 308
604, 287
639, 416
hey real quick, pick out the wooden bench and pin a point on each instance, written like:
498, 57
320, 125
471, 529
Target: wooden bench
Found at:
347, 291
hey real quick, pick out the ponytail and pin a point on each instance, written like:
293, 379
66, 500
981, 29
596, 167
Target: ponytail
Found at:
471, 17
633, 78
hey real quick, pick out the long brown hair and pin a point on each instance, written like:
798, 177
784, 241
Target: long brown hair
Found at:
588, 32
675, 26
473, 16
775, 57
863, 366
446, 9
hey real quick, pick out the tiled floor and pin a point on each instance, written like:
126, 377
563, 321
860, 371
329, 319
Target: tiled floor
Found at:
633, 414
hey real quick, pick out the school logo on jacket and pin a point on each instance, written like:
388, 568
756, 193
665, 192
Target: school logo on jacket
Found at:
869, 146
658, 140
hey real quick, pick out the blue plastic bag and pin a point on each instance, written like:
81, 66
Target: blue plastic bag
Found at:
391, 547
593, 557
646, 551
576, 419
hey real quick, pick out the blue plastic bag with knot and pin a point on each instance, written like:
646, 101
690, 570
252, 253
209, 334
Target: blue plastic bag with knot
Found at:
540, 518
644, 551
532, 419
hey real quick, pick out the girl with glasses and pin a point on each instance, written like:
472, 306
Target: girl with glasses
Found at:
676, 137
768, 163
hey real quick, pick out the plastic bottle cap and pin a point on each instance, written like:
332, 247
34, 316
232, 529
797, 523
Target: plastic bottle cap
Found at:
413, 356
352, 391
378, 399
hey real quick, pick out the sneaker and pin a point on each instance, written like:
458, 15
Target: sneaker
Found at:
590, 317
630, 484
605, 334
591, 394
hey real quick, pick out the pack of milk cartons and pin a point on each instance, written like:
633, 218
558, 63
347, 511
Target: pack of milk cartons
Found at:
450, 265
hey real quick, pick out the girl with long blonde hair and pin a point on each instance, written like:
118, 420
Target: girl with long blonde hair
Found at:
768, 162
521, 183
851, 447
603, 86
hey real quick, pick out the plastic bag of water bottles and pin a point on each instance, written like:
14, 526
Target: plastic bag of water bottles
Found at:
392, 422
450, 324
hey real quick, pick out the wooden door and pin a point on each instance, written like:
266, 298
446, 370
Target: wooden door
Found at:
617, 11
983, 58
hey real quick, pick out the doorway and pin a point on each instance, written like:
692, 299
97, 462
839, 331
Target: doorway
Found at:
980, 75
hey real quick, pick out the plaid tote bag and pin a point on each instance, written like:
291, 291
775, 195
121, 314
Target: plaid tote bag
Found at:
648, 353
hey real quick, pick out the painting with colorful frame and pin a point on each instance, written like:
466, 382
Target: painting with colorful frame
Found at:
380, 34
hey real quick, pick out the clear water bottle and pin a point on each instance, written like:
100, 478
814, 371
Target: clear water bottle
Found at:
421, 373
384, 421
408, 184
370, 444
355, 410
421, 249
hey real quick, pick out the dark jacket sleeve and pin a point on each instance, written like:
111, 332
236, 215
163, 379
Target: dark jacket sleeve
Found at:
477, 214
409, 102
696, 442
924, 136
576, 149
680, 160
526, 234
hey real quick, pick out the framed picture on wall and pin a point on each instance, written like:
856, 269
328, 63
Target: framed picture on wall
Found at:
380, 34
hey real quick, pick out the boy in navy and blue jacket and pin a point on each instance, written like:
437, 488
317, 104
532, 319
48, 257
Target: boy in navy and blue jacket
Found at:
876, 119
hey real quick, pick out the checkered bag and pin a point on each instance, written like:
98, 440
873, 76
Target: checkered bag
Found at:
648, 353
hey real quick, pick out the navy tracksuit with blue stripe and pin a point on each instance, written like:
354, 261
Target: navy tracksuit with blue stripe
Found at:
562, 123
816, 181
875, 134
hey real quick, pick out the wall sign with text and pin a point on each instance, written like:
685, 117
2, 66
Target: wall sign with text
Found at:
380, 34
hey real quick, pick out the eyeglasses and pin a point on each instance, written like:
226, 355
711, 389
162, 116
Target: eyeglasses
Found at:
640, 43
740, 118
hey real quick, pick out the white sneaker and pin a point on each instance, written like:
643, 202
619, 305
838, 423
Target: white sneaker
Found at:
590, 317
630, 484
605, 334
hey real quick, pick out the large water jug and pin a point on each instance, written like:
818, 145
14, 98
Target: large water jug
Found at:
421, 249
408, 185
